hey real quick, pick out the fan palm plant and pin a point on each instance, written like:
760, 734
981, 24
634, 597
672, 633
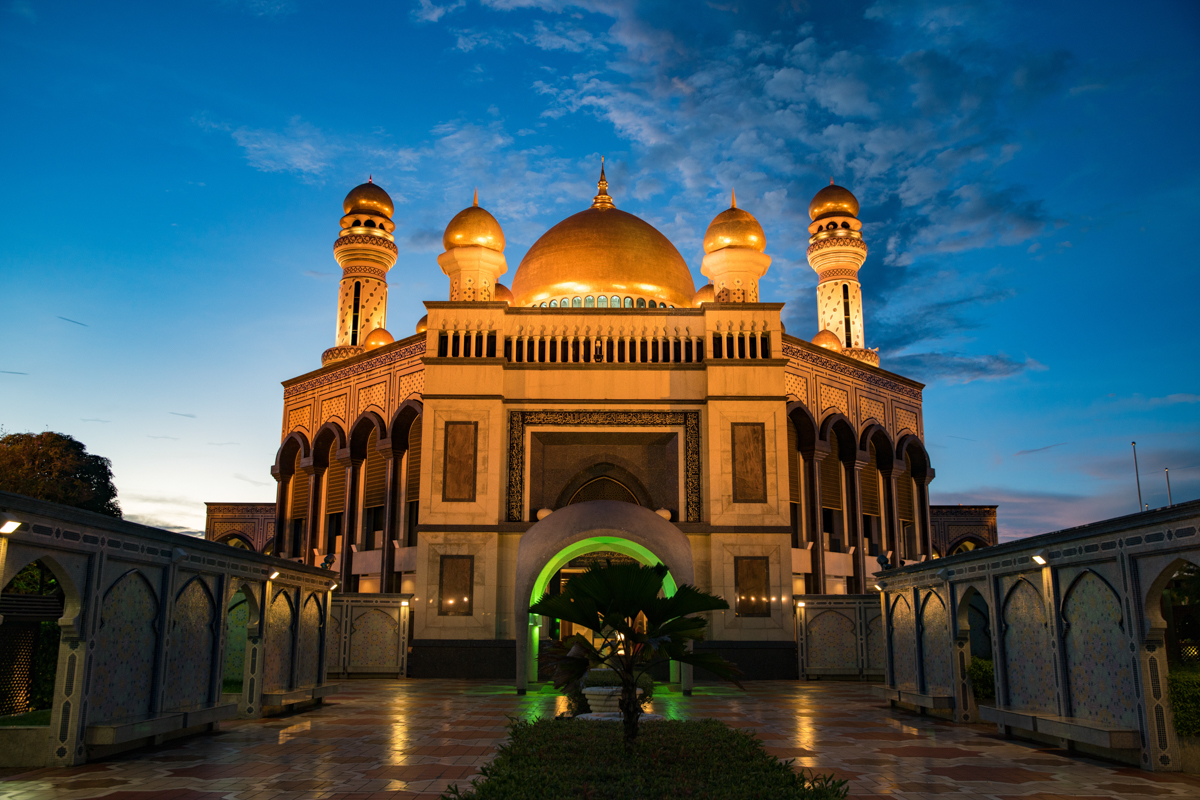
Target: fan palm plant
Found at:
608, 599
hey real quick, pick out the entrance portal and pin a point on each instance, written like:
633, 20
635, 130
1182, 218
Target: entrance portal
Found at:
589, 527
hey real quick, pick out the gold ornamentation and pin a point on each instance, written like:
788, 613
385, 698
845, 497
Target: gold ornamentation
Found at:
518, 420
298, 418
906, 420
870, 408
386, 358
364, 238
837, 241
796, 386
373, 395
835, 398
334, 407
806, 356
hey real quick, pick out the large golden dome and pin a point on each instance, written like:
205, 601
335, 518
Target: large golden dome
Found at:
734, 227
368, 198
599, 252
474, 225
833, 199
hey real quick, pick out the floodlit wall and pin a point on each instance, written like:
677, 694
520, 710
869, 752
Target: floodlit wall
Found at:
161, 634
1077, 636
841, 636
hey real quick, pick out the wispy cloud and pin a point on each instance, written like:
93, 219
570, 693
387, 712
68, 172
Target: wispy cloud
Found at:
1038, 449
181, 414
169, 438
251, 481
11, 372
959, 368
428, 11
93, 419
221, 444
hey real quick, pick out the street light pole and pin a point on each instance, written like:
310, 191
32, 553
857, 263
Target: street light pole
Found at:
1136, 475
1167, 472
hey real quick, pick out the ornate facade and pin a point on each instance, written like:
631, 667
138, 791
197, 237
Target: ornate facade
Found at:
425, 465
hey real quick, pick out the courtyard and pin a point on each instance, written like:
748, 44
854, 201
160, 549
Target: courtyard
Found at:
395, 740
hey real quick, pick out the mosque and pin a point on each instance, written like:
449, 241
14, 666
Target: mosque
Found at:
601, 407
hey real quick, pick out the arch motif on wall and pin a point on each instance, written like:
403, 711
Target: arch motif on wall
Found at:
122, 678
903, 628
935, 645
278, 653
193, 638
373, 640
876, 645
1029, 664
312, 623
1099, 670
832, 640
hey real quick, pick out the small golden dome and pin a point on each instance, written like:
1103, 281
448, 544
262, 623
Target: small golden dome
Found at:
474, 226
829, 340
423, 324
705, 294
368, 198
603, 251
833, 199
378, 338
503, 295
734, 227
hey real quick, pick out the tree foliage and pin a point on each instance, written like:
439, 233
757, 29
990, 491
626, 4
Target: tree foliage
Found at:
608, 600
57, 468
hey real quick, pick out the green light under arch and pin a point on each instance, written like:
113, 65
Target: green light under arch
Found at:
591, 545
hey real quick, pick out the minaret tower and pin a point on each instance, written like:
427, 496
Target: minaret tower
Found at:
734, 260
836, 251
474, 257
365, 249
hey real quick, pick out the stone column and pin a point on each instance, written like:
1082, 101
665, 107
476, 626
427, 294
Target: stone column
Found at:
924, 531
282, 484
854, 528
351, 467
390, 525
311, 528
811, 470
892, 535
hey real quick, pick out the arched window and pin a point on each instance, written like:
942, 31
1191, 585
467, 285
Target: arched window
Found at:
629, 302
589, 302
641, 302
354, 316
602, 302
576, 302
543, 305
653, 304
565, 302
616, 301
370, 223
603, 488
358, 223
846, 312
554, 304
845, 224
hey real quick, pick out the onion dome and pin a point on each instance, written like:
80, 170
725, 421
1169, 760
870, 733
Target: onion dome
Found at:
705, 294
378, 338
474, 226
833, 199
423, 324
368, 198
503, 294
829, 340
734, 227
603, 251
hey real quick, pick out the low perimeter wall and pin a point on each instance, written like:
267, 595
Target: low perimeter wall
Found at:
160, 634
841, 636
1074, 633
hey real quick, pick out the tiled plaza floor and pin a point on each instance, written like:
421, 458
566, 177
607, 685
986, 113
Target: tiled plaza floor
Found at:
413, 739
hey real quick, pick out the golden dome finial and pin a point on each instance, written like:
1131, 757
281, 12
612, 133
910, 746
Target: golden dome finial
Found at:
734, 227
602, 200
475, 202
833, 199
733, 200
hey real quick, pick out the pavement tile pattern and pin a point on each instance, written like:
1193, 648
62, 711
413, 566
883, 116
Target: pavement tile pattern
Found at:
402, 740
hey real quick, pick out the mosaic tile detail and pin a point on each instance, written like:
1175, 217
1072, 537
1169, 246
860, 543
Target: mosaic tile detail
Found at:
935, 646
870, 408
876, 645
333, 640
1101, 677
279, 643
906, 420
298, 418
373, 640
373, 395
796, 386
235, 638
123, 674
412, 383
334, 407
1030, 668
307, 663
189, 662
832, 642
904, 645
834, 398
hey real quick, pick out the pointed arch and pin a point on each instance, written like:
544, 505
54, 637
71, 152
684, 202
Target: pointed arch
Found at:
1094, 644
327, 436
1152, 601
885, 450
360, 433
1075, 582
72, 601
837, 424
193, 638
914, 448
285, 457
126, 647
404, 417
806, 426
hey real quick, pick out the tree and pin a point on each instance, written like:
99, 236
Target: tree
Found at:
608, 600
58, 469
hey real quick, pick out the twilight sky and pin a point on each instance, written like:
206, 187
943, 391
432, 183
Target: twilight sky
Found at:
1029, 175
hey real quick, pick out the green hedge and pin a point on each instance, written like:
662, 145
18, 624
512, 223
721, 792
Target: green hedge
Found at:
982, 673
1184, 686
553, 759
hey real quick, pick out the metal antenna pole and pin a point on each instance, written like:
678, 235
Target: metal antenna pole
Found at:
1136, 475
1167, 472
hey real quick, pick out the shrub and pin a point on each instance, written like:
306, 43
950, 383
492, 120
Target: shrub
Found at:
982, 674
553, 759
577, 701
1184, 686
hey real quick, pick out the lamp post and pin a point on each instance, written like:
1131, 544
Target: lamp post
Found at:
1136, 475
1167, 472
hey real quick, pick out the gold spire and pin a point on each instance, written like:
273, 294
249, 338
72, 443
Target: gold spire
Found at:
602, 200
475, 202
733, 202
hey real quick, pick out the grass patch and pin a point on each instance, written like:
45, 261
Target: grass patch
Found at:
37, 718
554, 759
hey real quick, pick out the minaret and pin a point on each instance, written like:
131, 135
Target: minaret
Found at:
836, 251
474, 257
734, 260
365, 249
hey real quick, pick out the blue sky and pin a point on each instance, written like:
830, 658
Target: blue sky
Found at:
1029, 175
